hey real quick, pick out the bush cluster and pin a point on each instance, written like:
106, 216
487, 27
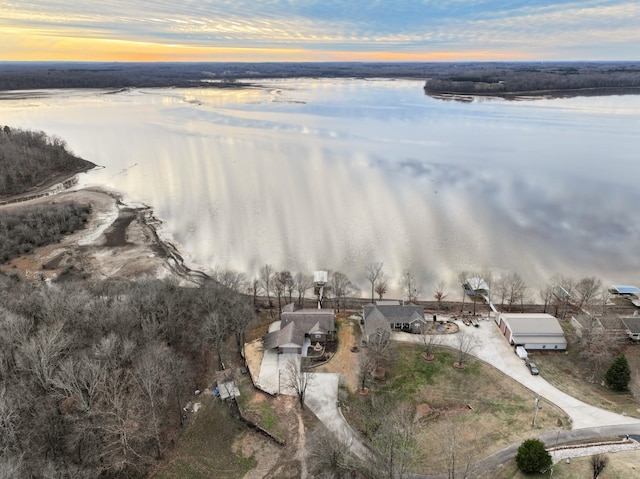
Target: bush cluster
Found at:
22, 231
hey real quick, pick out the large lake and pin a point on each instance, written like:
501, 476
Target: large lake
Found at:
335, 174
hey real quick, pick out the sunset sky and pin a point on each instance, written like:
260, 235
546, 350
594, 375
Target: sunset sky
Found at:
319, 30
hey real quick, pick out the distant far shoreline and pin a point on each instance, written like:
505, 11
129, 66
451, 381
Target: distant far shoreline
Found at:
495, 79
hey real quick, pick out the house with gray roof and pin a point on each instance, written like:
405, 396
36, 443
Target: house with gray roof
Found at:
384, 318
299, 326
532, 330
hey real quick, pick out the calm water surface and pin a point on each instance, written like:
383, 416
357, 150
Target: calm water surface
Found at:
334, 174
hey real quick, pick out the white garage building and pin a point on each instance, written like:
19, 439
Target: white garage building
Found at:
532, 330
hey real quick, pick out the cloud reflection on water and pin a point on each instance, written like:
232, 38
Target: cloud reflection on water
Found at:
335, 174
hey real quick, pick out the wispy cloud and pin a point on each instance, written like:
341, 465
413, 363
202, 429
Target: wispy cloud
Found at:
402, 28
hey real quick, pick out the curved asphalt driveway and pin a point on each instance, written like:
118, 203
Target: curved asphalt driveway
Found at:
493, 348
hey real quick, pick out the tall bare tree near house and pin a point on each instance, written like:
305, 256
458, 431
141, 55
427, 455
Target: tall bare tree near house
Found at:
213, 332
281, 283
301, 284
382, 285
298, 381
463, 277
266, 281
587, 290
546, 295
516, 290
374, 271
440, 294
342, 288
563, 291
409, 286
255, 288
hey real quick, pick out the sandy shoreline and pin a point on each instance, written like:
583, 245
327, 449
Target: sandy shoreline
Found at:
119, 241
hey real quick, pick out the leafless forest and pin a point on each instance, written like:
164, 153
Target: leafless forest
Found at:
450, 77
30, 158
93, 377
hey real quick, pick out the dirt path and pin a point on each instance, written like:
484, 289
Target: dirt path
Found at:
345, 362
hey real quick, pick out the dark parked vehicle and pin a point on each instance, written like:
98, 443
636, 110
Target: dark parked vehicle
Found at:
533, 368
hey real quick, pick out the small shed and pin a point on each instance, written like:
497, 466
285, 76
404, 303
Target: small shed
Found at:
534, 331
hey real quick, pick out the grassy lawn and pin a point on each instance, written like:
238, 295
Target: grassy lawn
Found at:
205, 448
567, 372
480, 407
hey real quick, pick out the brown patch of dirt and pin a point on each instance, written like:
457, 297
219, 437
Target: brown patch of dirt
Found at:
344, 361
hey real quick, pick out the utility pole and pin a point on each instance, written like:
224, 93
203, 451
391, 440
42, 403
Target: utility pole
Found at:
535, 412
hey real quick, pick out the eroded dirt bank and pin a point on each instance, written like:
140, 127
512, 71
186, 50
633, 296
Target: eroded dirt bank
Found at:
119, 242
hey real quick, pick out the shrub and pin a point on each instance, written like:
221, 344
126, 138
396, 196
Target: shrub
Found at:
532, 456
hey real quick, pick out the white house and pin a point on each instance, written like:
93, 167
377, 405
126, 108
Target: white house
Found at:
532, 330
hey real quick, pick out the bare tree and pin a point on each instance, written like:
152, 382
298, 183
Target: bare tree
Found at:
366, 364
213, 332
282, 282
297, 380
598, 462
374, 271
41, 354
458, 447
409, 286
234, 280
255, 289
394, 445
587, 290
440, 294
342, 288
546, 295
266, 280
328, 455
382, 285
429, 341
379, 349
149, 375
516, 290
563, 291
463, 277
301, 284
465, 344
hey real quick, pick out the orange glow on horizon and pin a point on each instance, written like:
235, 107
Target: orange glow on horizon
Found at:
20, 45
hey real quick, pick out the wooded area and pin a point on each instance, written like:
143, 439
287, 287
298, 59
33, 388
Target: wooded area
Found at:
23, 230
456, 77
94, 377
537, 78
30, 158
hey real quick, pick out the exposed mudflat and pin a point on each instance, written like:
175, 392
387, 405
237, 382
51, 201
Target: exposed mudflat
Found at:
119, 242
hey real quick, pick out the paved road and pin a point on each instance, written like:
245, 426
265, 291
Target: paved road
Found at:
494, 349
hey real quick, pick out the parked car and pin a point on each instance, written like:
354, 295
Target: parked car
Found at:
533, 368
521, 352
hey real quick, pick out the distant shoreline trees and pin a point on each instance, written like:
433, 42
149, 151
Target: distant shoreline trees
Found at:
29, 159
